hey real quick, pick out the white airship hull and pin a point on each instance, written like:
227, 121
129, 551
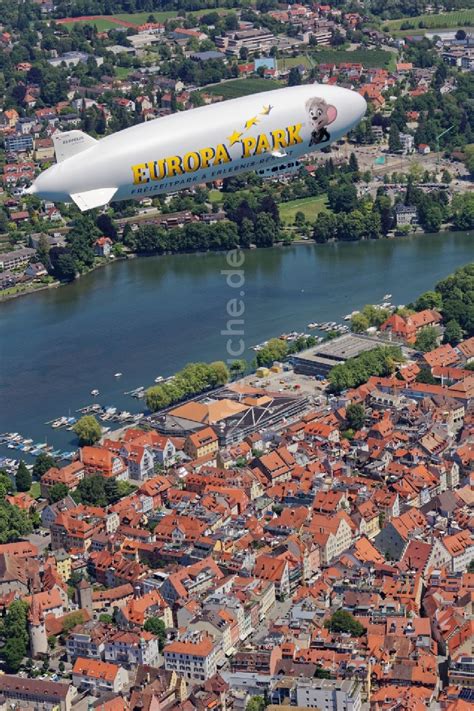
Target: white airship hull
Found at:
261, 132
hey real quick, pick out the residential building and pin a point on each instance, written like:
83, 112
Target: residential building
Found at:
192, 657
16, 259
406, 215
35, 693
329, 694
202, 443
98, 677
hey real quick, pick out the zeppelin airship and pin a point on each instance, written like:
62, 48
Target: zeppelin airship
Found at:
265, 132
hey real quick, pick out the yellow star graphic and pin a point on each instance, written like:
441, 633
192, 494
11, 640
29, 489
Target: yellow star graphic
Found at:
251, 122
234, 138
266, 110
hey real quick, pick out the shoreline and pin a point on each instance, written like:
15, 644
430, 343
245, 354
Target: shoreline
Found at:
278, 245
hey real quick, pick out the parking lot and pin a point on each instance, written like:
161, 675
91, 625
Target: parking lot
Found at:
288, 381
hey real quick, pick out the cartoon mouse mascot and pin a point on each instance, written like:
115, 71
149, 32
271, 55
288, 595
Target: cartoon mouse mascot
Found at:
321, 115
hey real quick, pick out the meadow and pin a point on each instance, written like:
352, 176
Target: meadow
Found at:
310, 206
241, 87
443, 20
368, 57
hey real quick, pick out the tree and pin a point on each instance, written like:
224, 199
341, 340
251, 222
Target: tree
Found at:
57, 492
394, 143
453, 333
342, 621
380, 361
43, 462
88, 430
275, 350
300, 219
238, 367
62, 264
106, 226
23, 477
429, 300
457, 293
355, 416
42, 252
325, 227
463, 211
353, 163
246, 232
219, 373
157, 627
321, 673
106, 618
73, 619
431, 217
425, 376
91, 491
265, 230
383, 206
359, 323
342, 197
427, 339
446, 177
14, 523
15, 633
294, 77
256, 703
7, 486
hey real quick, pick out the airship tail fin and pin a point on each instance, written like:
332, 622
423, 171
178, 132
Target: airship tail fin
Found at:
69, 143
93, 198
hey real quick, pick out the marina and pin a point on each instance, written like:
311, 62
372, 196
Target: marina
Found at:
108, 413
16, 441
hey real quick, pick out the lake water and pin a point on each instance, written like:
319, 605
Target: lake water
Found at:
148, 317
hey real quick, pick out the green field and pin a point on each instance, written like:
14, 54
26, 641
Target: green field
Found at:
102, 24
216, 195
445, 20
368, 57
106, 22
122, 72
139, 18
311, 207
241, 87
288, 62
35, 490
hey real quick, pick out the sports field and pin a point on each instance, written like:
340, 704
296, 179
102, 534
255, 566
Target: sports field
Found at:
241, 87
129, 19
125, 20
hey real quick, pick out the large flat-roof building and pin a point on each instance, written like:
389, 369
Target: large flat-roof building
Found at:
319, 360
233, 412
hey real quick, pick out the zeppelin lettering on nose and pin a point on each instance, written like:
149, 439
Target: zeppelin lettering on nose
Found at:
267, 132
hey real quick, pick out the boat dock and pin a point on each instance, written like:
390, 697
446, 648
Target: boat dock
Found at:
16, 441
108, 413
